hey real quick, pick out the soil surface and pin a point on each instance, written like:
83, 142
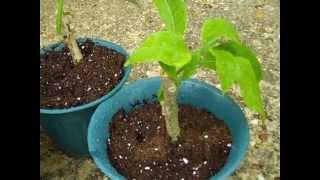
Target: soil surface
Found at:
140, 148
64, 84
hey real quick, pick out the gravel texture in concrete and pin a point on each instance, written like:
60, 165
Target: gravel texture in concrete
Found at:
123, 22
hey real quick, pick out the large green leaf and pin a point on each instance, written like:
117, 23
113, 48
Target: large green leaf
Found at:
173, 13
249, 86
59, 14
240, 50
164, 46
226, 68
214, 29
231, 70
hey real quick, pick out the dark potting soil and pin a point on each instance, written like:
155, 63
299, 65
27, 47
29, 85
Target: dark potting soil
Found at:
139, 147
63, 84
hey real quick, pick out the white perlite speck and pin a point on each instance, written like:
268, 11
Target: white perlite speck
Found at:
120, 157
156, 149
194, 172
229, 145
205, 162
185, 160
147, 168
78, 98
129, 144
206, 136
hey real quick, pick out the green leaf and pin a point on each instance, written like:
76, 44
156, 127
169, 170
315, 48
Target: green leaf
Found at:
240, 50
164, 46
160, 94
249, 86
207, 60
189, 69
226, 68
170, 70
59, 14
173, 13
214, 29
232, 70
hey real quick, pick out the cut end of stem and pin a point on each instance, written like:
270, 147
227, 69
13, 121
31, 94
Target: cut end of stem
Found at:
71, 42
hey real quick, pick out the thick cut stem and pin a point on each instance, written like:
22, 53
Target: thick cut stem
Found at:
170, 107
71, 42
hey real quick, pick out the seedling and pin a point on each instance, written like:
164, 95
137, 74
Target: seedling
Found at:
221, 50
63, 20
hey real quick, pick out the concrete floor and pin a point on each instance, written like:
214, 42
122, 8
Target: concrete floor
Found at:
124, 23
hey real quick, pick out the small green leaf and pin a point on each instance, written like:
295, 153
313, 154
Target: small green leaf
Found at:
59, 14
214, 29
173, 13
249, 86
160, 94
207, 60
170, 70
226, 68
240, 50
189, 69
164, 46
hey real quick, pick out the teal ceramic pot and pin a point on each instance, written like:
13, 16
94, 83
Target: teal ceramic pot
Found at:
68, 127
193, 92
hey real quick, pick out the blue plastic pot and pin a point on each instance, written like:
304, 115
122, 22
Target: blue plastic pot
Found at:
68, 127
193, 92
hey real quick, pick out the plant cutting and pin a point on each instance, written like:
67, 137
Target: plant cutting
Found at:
189, 131
75, 76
